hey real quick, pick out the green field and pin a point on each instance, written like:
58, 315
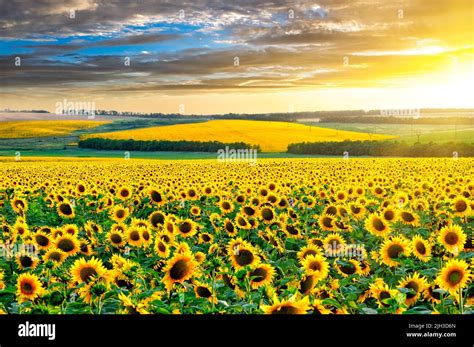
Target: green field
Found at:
66, 146
62, 142
409, 133
92, 153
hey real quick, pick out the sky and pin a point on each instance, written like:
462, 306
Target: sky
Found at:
210, 56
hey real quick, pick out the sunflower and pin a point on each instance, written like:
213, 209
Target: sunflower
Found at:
186, 228
124, 193
27, 261
432, 294
341, 196
357, 210
327, 222
307, 284
42, 240
364, 268
165, 236
68, 244
55, 255
80, 188
19, 205
389, 214
452, 238
85, 247
65, 209
155, 196
461, 207
116, 238
205, 238
421, 248
28, 287
416, 284
267, 214
380, 291
83, 271
261, 275
70, 229
454, 276
21, 228
308, 250
182, 247
157, 218
291, 306
119, 228
348, 267
226, 206
134, 236
119, 213
204, 291
318, 308
332, 242
242, 222
230, 227
195, 211
317, 266
162, 248
409, 218
200, 257
139, 223
181, 267
131, 307
330, 209
377, 226
243, 255
291, 230
392, 249
249, 210
170, 226
146, 237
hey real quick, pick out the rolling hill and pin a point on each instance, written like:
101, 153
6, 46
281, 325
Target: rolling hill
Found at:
271, 136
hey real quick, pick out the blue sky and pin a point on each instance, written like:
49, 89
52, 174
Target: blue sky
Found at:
232, 56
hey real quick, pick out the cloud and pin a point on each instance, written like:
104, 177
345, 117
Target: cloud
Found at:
278, 44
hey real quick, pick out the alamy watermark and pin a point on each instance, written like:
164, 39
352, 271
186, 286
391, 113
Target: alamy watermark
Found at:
336, 250
76, 108
11, 250
401, 112
248, 155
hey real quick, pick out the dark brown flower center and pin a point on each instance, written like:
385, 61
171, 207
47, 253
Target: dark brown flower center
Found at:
179, 270
87, 273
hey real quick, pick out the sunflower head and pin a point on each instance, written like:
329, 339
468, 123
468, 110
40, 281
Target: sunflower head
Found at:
180, 268
317, 266
84, 271
393, 250
377, 225
68, 244
261, 275
421, 248
454, 275
453, 238
29, 287
291, 306
415, 286
65, 209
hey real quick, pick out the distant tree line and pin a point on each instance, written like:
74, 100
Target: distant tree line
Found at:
383, 149
427, 116
171, 146
399, 120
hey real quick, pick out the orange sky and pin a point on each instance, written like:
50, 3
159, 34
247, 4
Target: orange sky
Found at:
308, 56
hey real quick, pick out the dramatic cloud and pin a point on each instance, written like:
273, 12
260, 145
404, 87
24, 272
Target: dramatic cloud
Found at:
107, 47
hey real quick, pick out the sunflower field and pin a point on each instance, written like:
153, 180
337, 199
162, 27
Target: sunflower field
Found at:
315, 236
